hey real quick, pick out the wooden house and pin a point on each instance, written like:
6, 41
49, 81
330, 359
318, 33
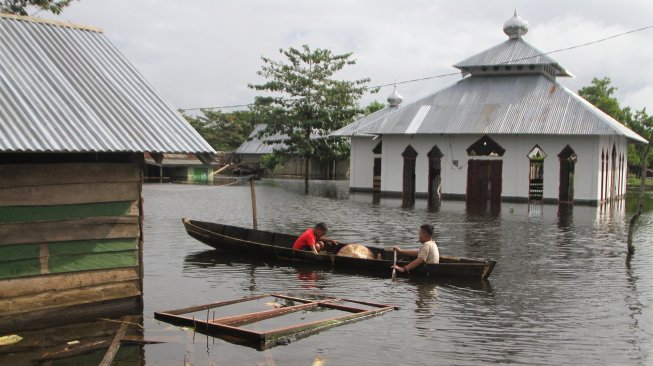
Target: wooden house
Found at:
508, 131
75, 120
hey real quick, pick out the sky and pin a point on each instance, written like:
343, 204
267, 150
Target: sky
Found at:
203, 53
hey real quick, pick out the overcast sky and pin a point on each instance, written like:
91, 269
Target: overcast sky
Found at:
202, 53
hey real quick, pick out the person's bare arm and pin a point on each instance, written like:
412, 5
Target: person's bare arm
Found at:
407, 268
332, 241
406, 252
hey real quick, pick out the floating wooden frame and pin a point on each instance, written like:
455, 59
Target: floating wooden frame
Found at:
232, 328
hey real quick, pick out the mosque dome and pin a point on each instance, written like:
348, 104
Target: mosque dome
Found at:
516, 26
395, 98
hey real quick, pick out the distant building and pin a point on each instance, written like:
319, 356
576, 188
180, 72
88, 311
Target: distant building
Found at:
75, 120
183, 168
507, 131
251, 151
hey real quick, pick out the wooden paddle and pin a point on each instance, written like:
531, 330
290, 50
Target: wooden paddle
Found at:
394, 270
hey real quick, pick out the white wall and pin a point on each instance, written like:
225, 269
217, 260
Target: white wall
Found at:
515, 162
361, 162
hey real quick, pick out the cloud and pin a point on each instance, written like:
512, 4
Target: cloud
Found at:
203, 53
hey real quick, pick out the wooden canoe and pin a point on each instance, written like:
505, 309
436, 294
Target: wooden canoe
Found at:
278, 246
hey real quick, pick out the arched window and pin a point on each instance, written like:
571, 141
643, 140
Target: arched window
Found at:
622, 175
485, 146
602, 197
536, 174
613, 173
605, 176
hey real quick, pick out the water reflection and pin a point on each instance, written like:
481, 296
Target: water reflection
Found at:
565, 216
376, 198
83, 343
560, 294
426, 299
535, 209
308, 276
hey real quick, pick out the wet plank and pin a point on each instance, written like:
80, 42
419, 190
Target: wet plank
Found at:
59, 282
56, 299
107, 360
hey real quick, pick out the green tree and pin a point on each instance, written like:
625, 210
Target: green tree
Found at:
600, 94
374, 106
223, 131
271, 161
641, 123
305, 103
19, 7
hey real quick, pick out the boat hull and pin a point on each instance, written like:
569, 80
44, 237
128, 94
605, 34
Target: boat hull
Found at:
278, 246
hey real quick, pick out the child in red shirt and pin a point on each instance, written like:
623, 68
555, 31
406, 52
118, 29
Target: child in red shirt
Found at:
311, 239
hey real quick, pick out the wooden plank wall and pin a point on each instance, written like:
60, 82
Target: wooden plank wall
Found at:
69, 235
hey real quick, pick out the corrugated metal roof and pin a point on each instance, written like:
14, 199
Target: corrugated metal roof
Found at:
517, 104
65, 88
178, 160
258, 146
514, 51
362, 122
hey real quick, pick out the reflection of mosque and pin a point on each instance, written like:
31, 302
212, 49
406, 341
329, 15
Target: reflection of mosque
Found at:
426, 291
426, 299
483, 233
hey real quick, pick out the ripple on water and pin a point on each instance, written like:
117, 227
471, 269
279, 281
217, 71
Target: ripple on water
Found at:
561, 292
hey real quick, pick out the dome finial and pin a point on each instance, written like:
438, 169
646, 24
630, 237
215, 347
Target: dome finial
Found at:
516, 26
395, 98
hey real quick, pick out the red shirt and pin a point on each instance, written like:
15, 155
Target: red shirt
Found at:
307, 239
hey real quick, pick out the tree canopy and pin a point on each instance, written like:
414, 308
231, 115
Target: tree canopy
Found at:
19, 7
223, 131
374, 106
305, 103
600, 93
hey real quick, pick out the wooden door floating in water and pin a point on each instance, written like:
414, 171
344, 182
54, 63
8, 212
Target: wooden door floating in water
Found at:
265, 321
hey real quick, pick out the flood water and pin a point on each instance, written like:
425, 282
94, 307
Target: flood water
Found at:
561, 292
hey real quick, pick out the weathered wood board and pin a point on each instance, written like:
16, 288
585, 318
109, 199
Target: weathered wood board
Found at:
109, 227
70, 240
65, 281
